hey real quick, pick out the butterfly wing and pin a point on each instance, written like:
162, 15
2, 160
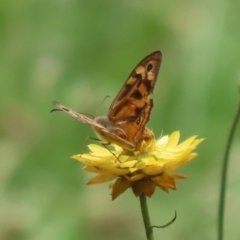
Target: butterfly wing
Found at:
78, 116
132, 106
99, 126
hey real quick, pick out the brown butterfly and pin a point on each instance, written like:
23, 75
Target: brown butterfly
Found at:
130, 110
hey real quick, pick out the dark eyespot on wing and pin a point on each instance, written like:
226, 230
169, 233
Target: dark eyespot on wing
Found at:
149, 67
138, 121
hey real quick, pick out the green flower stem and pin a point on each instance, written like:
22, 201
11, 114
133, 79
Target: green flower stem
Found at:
224, 175
146, 218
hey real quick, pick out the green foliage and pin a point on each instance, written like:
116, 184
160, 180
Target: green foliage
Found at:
77, 52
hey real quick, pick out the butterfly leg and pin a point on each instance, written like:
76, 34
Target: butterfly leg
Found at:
86, 140
103, 144
107, 144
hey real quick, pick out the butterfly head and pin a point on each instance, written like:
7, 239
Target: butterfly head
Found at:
112, 131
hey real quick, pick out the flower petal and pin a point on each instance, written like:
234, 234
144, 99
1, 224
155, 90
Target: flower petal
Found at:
150, 165
145, 187
119, 186
173, 139
101, 179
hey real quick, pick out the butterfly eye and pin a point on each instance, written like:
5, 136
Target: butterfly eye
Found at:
149, 67
123, 136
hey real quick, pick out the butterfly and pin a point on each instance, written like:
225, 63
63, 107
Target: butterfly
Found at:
130, 110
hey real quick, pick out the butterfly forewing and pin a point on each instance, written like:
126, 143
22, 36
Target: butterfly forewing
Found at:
132, 107
140, 82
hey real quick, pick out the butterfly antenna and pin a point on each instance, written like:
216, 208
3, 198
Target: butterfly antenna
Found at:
101, 104
60, 110
54, 110
92, 138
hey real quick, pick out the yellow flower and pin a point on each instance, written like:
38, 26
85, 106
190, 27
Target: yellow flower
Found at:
142, 170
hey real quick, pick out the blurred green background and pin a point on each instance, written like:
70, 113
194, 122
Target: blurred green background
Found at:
77, 52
